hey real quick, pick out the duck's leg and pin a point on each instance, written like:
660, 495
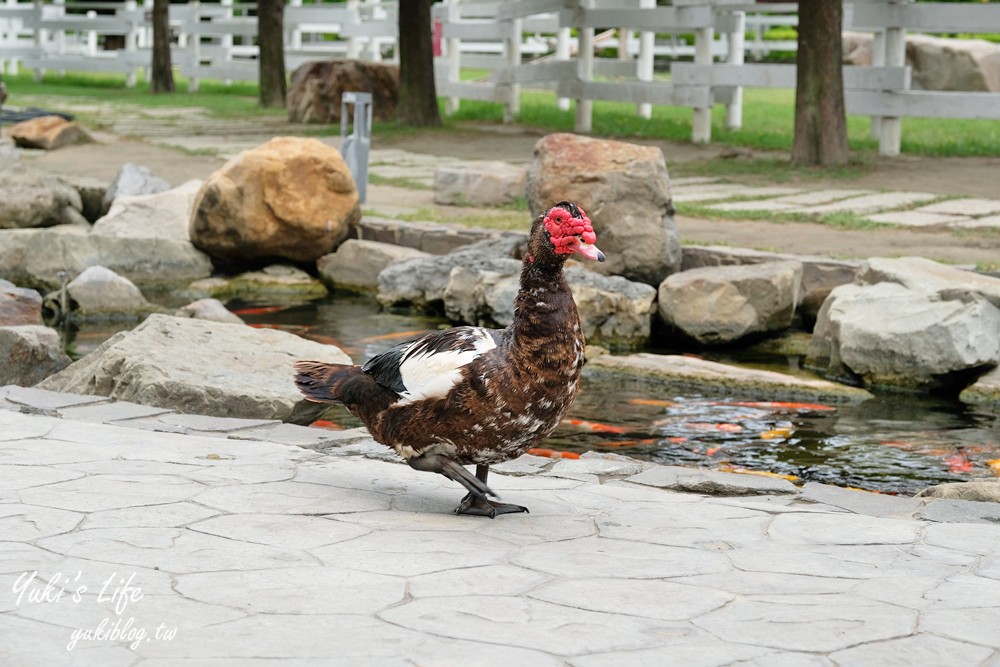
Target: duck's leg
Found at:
439, 463
479, 505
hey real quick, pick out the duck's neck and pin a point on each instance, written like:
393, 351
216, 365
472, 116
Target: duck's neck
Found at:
545, 314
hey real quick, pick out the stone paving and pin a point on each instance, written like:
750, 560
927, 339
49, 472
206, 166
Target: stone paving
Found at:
134, 536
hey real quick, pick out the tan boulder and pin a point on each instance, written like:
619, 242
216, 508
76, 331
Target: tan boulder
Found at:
624, 189
291, 197
48, 133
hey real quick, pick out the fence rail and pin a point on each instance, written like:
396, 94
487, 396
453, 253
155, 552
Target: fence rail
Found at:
522, 43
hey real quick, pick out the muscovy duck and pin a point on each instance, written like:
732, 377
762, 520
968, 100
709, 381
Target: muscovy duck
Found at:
471, 395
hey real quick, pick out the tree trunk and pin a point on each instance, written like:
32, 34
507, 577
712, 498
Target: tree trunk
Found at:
162, 75
418, 105
271, 42
820, 120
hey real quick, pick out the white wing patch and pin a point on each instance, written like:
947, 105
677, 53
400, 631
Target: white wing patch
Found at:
429, 374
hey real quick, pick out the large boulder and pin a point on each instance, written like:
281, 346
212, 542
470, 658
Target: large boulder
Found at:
30, 354
290, 198
98, 293
132, 180
165, 214
909, 323
624, 188
200, 367
19, 305
479, 184
48, 133
953, 64
938, 63
819, 274
29, 198
36, 257
356, 264
720, 305
317, 87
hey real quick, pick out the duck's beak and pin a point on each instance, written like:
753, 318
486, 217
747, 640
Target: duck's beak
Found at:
587, 250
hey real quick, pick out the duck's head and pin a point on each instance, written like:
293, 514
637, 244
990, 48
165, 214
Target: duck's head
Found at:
562, 231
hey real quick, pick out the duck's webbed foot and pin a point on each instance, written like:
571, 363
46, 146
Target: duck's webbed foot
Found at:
482, 506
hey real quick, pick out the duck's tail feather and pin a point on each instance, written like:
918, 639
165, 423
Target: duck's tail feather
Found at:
321, 382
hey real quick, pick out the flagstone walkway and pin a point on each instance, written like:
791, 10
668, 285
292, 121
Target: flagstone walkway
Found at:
137, 536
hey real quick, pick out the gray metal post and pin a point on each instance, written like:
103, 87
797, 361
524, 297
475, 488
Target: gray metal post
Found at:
355, 146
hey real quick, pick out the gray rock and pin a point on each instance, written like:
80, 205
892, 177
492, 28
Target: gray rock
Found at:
983, 492
29, 198
625, 190
133, 179
698, 374
613, 311
925, 275
275, 281
34, 257
930, 340
208, 309
98, 293
19, 305
861, 502
726, 303
91, 194
819, 274
711, 482
984, 391
479, 184
166, 215
356, 263
200, 367
420, 282
30, 354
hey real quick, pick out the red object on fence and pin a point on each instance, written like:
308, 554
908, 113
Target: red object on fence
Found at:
438, 32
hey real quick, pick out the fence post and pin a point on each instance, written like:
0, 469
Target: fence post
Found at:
131, 37
353, 43
701, 117
91, 36
512, 49
61, 35
41, 36
295, 39
585, 72
644, 65
562, 53
891, 131
195, 40
735, 41
878, 60
454, 44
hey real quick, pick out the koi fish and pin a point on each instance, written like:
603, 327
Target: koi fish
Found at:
553, 454
596, 427
260, 310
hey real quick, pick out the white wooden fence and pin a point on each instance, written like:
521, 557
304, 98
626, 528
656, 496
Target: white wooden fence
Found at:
523, 43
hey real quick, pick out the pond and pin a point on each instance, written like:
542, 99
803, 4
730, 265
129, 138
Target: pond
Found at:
895, 443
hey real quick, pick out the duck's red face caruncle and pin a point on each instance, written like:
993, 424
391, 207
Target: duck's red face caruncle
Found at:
571, 232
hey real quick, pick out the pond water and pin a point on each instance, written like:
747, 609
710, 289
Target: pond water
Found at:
895, 443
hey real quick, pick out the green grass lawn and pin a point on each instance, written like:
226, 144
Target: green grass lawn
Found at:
768, 115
